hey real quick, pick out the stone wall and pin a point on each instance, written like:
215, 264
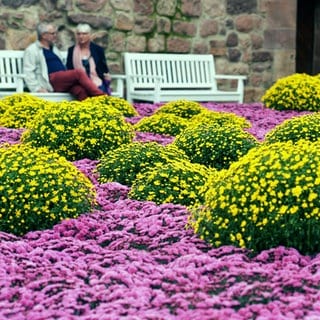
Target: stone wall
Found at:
256, 38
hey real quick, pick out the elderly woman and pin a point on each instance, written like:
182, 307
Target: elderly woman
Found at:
89, 56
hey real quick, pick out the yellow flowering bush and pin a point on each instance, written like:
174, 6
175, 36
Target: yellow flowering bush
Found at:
123, 106
182, 108
79, 130
14, 98
220, 118
39, 188
270, 197
213, 145
162, 123
303, 127
298, 91
177, 181
21, 108
124, 163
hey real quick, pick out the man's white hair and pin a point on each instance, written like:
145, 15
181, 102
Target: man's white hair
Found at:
43, 27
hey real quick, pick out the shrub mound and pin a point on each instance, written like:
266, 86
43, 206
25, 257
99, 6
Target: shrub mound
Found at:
162, 123
220, 118
39, 188
15, 98
79, 130
182, 108
213, 145
21, 109
303, 127
298, 91
270, 197
124, 163
123, 106
176, 182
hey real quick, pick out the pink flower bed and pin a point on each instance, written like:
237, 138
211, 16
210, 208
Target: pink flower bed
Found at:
136, 260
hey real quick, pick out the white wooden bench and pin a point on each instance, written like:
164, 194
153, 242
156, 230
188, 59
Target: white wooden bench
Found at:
157, 77
11, 78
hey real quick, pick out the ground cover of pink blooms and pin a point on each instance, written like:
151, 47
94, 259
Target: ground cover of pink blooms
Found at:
136, 260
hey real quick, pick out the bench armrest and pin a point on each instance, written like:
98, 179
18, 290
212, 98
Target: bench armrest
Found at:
118, 76
20, 82
19, 77
230, 77
157, 83
240, 82
119, 79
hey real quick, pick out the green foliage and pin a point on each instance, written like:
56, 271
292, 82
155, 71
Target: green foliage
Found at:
3, 108
162, 123
38, 189
79, 130
213, 145
176, 182
124, 163
20, 109
303, 127
182, 108
123, 106
270, 197
298, 91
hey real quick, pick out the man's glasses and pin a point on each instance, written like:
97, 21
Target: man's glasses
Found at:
52, 33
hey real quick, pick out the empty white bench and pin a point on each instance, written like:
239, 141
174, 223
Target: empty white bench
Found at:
157, 77
11, 78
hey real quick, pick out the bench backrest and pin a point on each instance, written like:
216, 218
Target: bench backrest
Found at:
11, 65
176, 70
11, 62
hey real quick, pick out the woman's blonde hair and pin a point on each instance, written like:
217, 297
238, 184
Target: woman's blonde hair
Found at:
83, 27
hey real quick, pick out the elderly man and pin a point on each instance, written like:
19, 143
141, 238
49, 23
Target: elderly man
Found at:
45, 71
